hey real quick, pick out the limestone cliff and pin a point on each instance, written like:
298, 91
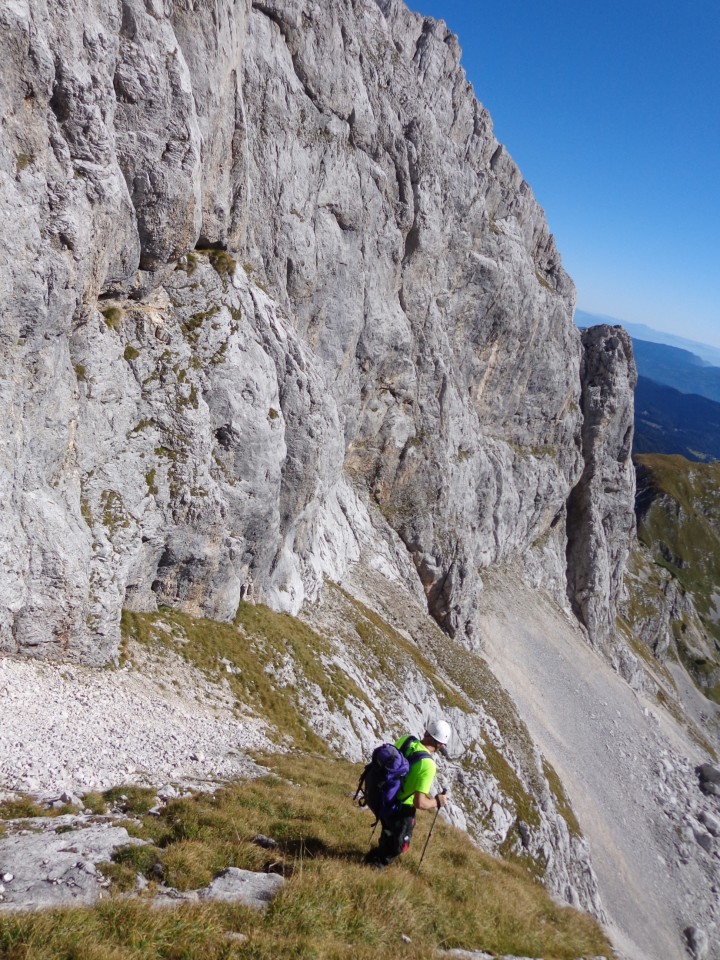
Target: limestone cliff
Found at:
373, 339
601, 519
278, 310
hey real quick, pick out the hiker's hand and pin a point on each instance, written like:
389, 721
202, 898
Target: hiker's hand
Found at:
440, 800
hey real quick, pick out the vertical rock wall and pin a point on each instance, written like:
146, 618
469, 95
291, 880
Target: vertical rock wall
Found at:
372, 348
600, 513
415, 261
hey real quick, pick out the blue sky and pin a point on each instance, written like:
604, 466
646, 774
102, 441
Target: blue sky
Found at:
612, 112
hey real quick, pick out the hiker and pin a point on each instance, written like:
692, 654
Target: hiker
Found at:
414, 793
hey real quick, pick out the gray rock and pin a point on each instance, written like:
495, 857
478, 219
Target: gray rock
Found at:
601, 518
231, 886
267, 842
243, 886
168, 792
705, 841
481, 955
386, 352
710, 822
709, 777
58, 869
708, 773
697, 941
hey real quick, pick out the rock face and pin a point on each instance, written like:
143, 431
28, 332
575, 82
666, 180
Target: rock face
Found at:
601, 519
49, 869
55, 864
389, 221
678, 518
374, 335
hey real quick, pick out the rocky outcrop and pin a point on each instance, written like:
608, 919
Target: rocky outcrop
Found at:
49, 864
389, 223
398, 330
676, 564
600, 514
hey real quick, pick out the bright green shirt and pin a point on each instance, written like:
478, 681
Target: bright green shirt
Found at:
421, 776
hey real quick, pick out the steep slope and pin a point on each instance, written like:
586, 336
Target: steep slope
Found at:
345, 678
679, 523
326, 903
627, 759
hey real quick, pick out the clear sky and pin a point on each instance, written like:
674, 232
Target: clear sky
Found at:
612, 112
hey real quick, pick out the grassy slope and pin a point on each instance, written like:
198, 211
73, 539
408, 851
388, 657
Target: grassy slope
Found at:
470, 674
332, 905
679, 523
263, 643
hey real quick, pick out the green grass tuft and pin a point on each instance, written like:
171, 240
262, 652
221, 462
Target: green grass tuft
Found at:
113, 317
21, 807
332, 906
222, 262
95, 802
23, 161
131, 798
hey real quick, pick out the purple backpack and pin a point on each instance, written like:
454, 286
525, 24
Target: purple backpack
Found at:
382, 779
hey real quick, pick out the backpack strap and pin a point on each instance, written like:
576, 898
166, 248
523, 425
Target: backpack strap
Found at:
416, 757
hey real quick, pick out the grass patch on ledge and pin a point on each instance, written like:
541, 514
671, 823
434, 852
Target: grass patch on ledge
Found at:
332, 906
561, 799
25, 808
272, 662
390, 648
469, 679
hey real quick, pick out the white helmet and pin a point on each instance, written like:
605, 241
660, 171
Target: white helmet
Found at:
439, 730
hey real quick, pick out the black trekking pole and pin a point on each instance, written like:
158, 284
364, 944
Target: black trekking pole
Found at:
422, 855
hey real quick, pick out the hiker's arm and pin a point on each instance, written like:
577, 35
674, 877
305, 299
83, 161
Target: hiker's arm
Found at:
421, 801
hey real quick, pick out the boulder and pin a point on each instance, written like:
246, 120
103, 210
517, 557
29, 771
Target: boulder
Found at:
57, 865
709, 777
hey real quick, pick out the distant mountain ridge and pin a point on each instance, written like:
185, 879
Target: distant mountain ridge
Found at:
680, 369
690, 368
670, 422
641, 331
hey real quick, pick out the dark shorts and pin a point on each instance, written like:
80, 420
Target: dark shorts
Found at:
395, 837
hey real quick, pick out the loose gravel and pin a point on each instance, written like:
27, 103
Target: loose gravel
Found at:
75, 729
628, 768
